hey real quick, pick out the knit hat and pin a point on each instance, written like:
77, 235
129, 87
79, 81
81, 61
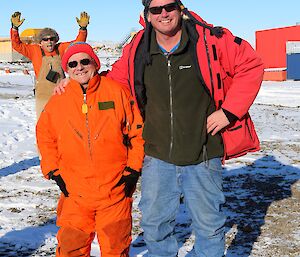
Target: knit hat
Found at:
48, 32
146, 3
79, 47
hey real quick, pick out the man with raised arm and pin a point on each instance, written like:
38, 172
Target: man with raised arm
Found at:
45, 56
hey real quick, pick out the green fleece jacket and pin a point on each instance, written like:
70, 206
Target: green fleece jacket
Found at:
177, 108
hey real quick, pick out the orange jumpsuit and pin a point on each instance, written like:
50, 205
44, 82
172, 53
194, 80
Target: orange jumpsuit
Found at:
89, 152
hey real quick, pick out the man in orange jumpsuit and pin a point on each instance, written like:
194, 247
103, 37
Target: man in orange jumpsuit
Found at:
90, 140
45, 56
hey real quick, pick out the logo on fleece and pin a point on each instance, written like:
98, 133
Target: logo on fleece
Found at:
181, 67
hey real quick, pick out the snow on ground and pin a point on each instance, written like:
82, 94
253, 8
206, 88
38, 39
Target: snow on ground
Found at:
285, 93
262, 189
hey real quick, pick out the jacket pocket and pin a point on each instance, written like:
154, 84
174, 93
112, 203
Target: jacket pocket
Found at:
70, 141
240, 138
102, 123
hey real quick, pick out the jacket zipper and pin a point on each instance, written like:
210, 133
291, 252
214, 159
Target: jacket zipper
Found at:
129, 67
171, 107
213, 92
209, 65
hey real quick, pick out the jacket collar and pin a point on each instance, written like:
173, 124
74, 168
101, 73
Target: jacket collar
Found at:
93, 85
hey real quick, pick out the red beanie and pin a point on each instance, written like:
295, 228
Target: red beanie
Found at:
79, 47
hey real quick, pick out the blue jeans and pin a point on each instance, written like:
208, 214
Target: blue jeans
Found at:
201, 185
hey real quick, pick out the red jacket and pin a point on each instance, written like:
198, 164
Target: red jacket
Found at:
231, 70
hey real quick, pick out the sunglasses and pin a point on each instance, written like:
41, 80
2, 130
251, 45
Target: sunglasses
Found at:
168, 7
49, 38
83, 62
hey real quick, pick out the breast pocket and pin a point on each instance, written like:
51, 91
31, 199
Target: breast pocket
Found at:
107, 141
70, 140
108, 127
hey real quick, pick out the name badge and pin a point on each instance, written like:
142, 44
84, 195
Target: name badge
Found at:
106, 105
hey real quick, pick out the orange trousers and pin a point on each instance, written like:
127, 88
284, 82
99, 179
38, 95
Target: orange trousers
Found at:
80, 218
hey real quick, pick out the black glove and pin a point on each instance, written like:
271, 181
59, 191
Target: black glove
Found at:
130, 181
59, 181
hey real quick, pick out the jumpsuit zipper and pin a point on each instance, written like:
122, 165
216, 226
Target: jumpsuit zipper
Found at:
85, 111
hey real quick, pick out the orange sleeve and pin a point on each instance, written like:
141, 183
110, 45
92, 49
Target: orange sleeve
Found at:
47, 141
81, 37
134, 123
23, 48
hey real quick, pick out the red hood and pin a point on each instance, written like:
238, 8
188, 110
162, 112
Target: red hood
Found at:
142, 21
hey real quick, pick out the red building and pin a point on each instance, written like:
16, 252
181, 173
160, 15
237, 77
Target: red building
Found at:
271, 46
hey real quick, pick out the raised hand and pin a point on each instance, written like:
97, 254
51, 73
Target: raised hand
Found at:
84, 20
16, 20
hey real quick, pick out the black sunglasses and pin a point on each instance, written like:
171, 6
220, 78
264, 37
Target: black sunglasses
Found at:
84, 62
168, 7
49, 38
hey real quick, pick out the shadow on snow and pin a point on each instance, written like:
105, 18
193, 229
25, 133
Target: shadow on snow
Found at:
27, 241
249, 194
19, 166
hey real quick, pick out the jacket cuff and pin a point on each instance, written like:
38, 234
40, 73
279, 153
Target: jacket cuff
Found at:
129, 171
230, 116
51, 173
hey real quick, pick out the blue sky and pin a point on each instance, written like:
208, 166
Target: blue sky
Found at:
112, 20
